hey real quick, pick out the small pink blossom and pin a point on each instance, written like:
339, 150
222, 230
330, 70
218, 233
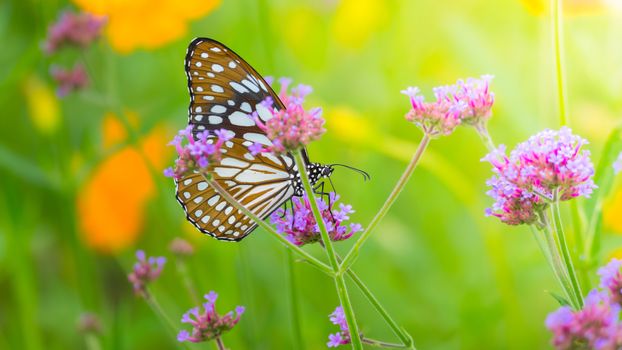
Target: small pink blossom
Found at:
78, 29
617, 165
290, 128
300, 227
69, 80
342, 337
145, 271
196, 153
208, 324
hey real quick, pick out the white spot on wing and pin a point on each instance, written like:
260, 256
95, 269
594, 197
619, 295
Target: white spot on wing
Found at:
217, 88
217, 68
214, 119
246, 107
240, 119
250, 85
202, 186
226, 172
237, 87
218, 109
255, 137
234, 162
264, 113
212, 201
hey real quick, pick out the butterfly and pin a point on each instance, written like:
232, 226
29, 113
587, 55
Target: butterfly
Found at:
224, 91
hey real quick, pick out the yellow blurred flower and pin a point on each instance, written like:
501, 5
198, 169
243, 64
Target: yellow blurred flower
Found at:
111, 203
42, 104
612, 210
147, 24
570, 7
356, 20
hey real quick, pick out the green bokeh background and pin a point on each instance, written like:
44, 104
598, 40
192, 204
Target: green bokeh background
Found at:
452, 277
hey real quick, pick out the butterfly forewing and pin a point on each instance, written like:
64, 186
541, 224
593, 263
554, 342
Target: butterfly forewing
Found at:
224, 90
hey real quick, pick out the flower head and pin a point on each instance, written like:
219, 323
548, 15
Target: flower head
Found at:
181, 247
199, 151
77, 29
89, 322
342, 337
611, 279
595, 326
617, 165
208, 324
290, 128
549, 163
69, 80
300, 227
468, 101
145, 270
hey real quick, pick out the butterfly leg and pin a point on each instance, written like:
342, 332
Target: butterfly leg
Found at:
319, 189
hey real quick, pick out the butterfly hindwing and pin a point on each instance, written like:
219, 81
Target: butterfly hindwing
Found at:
262, 183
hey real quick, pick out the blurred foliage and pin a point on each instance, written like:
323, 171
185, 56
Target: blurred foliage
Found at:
82, 187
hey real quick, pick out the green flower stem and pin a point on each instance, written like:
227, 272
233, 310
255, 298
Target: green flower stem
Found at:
559, 230
556, 11
182, 270
313, 261
483, 133
353, 253
155, 306
220, 344
92, 342
404, 337
340, 283
294, 302
382, 344
548, 246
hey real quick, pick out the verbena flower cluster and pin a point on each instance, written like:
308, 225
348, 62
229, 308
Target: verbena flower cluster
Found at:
145, 270
69, 80
77, 29
342, 337
291, 128
198, 153
299, 225
597, 325
208, 324
468, 102
550, 162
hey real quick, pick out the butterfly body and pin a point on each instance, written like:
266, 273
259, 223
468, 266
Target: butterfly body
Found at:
224, 91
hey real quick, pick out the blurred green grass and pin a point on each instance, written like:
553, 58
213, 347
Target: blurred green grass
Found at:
453, 278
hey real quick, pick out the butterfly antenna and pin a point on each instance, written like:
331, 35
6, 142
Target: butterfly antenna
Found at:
364, 173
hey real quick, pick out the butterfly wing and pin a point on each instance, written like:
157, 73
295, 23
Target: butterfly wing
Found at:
224, 90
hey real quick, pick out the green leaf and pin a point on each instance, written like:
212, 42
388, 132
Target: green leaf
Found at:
560, 299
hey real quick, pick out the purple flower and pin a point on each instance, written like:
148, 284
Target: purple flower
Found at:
290, 128
181, 247
611, 279
343, 336
549, 162
208, 324
301, 228
145, 270
468, 102
198, 153
69, 80
596, 326
617, 165
79, 29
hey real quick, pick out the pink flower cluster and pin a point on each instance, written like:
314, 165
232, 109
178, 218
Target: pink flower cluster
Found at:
208, 324
597, 325
468, 102
291, 128
79, 29
617, 165
300, 227
198, 153
549, 162
145, 270
342, 337
69, 80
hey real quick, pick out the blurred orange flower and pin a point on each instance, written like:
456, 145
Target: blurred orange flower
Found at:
111, 203
612, 219
147, 24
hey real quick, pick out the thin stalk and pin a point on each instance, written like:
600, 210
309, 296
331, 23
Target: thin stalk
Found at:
220, 344
92, 342
406, 340
294, 302
548, 246
483, 133
155, 306
312, 260
353, 253
340, 283
382, 344
556, 11
559, 230
182, 270
556, 260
